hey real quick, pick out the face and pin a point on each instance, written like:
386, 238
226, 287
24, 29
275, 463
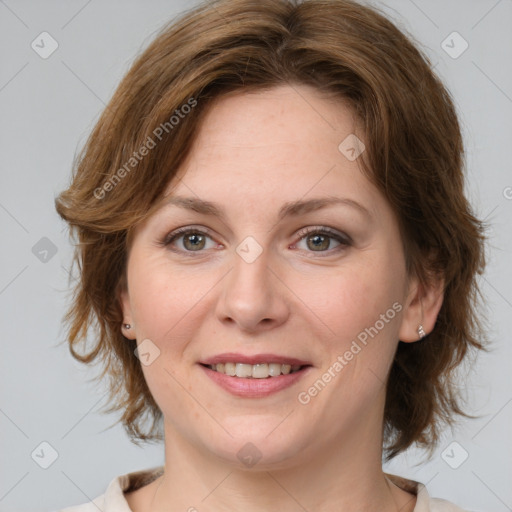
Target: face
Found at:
272, 248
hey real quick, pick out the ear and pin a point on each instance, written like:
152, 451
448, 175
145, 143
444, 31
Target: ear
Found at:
123, 297
424, 301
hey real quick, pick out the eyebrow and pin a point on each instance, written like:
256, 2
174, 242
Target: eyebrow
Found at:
289, 209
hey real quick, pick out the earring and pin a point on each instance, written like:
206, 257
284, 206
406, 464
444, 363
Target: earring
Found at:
421, 332
127, 326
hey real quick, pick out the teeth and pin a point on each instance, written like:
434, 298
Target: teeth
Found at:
286, 369
254, 371
243, 370
229, 368
274, 369
260, 371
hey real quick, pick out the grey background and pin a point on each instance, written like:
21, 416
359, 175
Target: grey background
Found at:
48, 107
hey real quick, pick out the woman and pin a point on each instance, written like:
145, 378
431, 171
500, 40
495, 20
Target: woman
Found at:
277, 253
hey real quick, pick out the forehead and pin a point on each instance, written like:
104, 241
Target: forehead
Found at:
295, 115
289, 139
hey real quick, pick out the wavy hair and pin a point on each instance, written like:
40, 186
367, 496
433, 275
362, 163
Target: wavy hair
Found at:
414, 155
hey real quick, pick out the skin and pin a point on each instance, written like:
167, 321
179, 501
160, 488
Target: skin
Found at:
254, 153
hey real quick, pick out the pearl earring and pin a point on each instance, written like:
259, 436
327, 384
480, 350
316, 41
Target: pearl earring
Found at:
421, 332
127, 326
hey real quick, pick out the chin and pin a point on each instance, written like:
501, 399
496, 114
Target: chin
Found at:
260, 446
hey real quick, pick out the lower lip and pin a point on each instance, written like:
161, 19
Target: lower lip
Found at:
255, 388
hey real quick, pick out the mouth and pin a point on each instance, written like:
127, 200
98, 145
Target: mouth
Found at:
255, 376
255, 371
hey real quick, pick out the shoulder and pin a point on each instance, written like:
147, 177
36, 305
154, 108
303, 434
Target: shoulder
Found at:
424, 503
428, 504
437, 505
92, 506
113, 499
86, 507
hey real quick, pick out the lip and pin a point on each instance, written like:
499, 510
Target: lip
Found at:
231, 357
255, 388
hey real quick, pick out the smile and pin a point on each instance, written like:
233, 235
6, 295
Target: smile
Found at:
254, 380
254, 371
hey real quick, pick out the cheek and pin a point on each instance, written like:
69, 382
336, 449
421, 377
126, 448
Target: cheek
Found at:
363, 310
355, 299
164, 301
167, 307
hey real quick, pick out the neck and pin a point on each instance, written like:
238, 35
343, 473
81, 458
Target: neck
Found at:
347, 476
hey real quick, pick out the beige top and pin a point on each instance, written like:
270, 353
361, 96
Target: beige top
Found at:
113, 500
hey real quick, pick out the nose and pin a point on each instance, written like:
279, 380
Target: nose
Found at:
253, 296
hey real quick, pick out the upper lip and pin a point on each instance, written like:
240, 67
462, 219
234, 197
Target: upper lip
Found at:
231, 357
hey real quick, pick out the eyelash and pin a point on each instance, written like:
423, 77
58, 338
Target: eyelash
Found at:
342, 239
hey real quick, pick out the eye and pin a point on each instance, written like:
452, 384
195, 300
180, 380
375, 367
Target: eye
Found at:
314, 239
189, 240
323, 239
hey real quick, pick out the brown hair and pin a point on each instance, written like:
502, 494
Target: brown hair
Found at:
414, 154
